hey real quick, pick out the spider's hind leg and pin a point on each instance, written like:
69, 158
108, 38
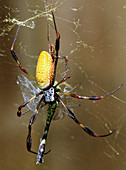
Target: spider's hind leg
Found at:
16, 57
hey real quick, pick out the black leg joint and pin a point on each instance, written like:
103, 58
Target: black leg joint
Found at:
14, 55
29, 142
57, 44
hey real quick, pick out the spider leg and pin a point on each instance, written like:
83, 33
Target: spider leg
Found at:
66, 62
19, 113
85, 128
64, 79
29, 139
48, 33
90, 97
32, 120
56, 47
67, 67
16, 57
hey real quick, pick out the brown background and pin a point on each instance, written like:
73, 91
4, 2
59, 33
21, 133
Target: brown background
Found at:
97, 66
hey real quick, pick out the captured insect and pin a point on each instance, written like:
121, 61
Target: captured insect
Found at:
47, 92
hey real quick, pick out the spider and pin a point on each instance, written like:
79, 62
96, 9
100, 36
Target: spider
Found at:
50, 92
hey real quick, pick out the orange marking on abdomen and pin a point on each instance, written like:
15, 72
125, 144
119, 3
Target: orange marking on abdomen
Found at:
44, 70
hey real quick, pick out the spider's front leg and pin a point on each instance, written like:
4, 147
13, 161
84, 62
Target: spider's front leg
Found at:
29, 139
19, 113
32, 120
85, 128
90, 97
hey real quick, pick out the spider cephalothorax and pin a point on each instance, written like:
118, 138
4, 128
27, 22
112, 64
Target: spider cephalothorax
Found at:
49, 95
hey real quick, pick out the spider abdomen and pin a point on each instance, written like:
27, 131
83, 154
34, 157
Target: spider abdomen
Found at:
44, 70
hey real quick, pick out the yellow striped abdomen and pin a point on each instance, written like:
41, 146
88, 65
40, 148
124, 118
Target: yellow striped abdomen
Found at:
44, 70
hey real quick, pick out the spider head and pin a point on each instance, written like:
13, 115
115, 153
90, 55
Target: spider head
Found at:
49, 95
